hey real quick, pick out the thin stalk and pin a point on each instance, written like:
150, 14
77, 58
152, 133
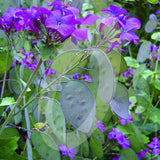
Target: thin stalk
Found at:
148, 113
29, 146
5, 75
49, 85
21, 95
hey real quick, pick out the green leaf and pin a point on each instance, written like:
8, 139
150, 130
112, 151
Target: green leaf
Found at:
7, 101
3, 39
156, 36
9, 132
73, 141
8, 147
118, 63
14, 85
96, 147
78, 105
157, 84
143, 52
137, 74
128, 154
134, 144
46, 51
45, 146
68, 59
131, 62
154, 116
56, 119
120, 101
102, 75
153, 1
3, 58
143, 85
85, 145
97, 133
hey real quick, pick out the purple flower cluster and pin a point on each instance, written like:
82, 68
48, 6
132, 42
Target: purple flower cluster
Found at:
49, 71
53, 25
155, 146
128, 73
30, 61
117, 18
65, 151
85, 77
100, 126
118, 135
125, 121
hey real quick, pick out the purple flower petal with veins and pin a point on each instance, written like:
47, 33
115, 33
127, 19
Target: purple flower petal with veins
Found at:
114, 10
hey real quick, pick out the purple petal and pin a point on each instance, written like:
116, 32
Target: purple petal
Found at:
80, 34
88, 20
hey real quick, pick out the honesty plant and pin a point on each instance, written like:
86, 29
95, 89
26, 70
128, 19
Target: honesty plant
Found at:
66, 87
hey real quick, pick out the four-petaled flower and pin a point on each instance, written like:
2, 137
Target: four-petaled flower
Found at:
71, 152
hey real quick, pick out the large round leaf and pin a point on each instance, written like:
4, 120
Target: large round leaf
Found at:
78, 105
118, 63
102, 75
55, 119
67, 60
45, 146
120, 101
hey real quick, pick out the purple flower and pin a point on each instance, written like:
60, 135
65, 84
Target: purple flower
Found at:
130, 103
113, 134
127, 33
63, 25
155, 145
139, 157
101, 126
153, 48
86, 78
118, 135
116, 158
122, 140
125, 121
65, 151
114, 10
126, 74
75, 76
114, 45
50, 71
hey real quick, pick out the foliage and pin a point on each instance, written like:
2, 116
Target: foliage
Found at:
80, 80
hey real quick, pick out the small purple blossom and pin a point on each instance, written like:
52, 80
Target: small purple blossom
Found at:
122, 140
101, 126
155, 145
65, 151
75, 76
153, 48
86, 78
126, 74
125, 121
50, 71
118, 135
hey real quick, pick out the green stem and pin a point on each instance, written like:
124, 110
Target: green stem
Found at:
5, 75
21, 95
148, 113
27, 120
49, 85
